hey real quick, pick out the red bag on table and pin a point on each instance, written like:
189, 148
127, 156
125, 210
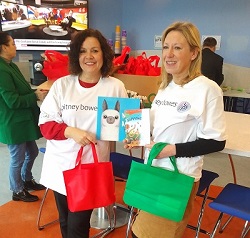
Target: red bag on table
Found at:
89, 186
154, 69
120, 59
55, 65
142, 65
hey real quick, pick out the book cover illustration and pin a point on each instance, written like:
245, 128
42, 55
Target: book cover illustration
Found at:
137, 127
110, 123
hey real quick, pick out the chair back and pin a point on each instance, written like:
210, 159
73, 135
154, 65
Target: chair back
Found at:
206, 179
122, 163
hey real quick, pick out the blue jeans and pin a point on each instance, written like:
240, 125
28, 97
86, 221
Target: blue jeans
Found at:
22, 160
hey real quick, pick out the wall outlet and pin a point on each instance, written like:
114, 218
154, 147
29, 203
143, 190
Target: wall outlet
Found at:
157, 41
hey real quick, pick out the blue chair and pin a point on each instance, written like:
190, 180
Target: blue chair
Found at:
42, 149
39, 225
121, 166
116, 215
203, 191
233, 200
122, 163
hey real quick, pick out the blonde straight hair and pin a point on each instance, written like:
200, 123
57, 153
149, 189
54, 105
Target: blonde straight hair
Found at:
192, 35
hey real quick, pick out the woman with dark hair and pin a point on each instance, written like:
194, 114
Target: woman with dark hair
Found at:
68, 120
18, 122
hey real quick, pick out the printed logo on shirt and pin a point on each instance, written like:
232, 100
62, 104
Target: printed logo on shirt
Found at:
79, 107
165, 103
183, 107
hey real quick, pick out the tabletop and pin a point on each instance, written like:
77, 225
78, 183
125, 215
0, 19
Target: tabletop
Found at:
236, 93
46, 85
238, 141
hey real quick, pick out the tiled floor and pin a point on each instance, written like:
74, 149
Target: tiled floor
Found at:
217, 162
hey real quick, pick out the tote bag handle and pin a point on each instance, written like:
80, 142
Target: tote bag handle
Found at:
53, 55
156, 149
79, 155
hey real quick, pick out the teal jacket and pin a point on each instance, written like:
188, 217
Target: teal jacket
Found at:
18, 106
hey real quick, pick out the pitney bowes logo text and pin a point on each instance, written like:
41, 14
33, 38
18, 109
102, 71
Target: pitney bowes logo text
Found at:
181, 107
79, 107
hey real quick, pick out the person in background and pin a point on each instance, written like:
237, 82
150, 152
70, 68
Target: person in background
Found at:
35, 15
7, 15
14, 13
66, 130
192, 127
68, 20
212, 63
18, 122
58, 15
22, 16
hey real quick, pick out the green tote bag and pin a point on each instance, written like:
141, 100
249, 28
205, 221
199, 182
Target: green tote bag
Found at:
156, 190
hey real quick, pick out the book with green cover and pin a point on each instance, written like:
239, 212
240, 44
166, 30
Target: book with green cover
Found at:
137, 127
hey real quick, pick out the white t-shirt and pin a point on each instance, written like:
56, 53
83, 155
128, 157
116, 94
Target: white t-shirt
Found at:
68, 102
182, 114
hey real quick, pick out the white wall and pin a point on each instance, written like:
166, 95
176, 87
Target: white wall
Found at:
25, 69
234, 76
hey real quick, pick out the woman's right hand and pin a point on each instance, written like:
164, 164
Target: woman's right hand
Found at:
129, 146
80, 136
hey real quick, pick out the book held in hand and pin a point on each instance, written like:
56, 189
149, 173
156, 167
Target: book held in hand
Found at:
137, 127
110, 122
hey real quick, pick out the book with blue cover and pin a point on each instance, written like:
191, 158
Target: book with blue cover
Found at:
110, 117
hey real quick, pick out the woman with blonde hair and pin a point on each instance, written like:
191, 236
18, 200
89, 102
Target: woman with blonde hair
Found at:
187, 113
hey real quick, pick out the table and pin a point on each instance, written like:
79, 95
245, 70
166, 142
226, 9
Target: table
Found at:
48, 31
237, 101
236, 93
238, 142
46, 85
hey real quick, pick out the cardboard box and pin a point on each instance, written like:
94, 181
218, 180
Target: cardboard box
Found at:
144, 85
46, 85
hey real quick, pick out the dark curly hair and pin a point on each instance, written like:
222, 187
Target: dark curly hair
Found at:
4, 39
75, 46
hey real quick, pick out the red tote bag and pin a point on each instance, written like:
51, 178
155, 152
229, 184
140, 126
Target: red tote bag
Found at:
89, 186
55, 65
